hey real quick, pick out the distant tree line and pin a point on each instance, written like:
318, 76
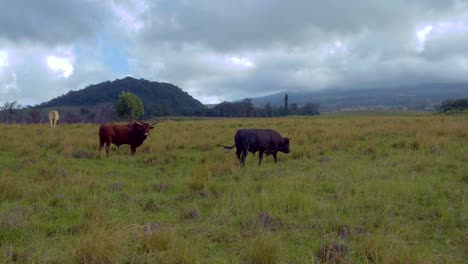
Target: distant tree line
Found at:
245, 108
130, 107
451, 105
12, 112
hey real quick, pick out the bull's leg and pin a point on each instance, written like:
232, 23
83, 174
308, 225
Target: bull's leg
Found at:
101, 144
244, 156
274, 156
260, 156
107, 148
51, 125
133, 150
238, 153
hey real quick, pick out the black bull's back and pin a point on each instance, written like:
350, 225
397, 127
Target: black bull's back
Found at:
266, 141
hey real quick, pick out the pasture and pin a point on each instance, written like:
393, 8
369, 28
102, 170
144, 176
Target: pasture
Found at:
354, 189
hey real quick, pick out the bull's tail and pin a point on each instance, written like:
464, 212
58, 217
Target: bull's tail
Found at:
227, 147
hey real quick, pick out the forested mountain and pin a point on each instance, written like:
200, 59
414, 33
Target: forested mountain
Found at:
417, 97
159, 99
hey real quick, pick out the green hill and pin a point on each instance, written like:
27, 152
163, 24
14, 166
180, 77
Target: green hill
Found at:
159, 99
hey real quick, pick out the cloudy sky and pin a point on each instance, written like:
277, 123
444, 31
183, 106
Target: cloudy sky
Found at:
224, 50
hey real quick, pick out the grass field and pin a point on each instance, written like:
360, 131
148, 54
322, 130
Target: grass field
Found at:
354, 189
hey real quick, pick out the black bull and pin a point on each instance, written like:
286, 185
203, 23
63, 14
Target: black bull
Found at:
266, 141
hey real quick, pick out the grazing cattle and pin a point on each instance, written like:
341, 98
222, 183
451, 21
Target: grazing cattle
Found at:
53, 118
266, 141
132, 134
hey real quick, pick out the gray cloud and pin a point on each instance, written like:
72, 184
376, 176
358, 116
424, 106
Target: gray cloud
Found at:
228, 25
51, 21
29, 80
293, 44
226, 50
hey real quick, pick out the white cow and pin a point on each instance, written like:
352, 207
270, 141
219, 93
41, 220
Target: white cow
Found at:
53, 118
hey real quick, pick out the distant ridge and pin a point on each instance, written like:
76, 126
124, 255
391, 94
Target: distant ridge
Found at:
411, 97
158, 98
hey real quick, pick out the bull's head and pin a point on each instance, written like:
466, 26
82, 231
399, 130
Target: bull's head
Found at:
284, 147
144, 128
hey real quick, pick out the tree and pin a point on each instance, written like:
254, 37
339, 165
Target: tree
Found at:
268, 110
247, 107
451, 104
310, 109
35, 115
294, 109
129, 106
105, 112
8, 111
286, 104
447, 105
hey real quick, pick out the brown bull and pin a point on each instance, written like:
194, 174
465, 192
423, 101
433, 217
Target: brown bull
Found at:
132, 134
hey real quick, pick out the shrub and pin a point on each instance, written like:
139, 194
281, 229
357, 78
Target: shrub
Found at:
264, 249
379, 248
103, 245
157, 238
200, 178
162, 243
9, 188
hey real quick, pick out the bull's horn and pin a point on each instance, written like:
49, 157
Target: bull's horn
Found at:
157, 121
138, 122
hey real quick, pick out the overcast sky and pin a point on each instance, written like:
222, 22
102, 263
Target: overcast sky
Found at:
225, 50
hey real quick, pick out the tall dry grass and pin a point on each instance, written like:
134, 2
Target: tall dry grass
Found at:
396, 184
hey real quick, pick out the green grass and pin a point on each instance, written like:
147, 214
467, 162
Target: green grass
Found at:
354, 189
370, 113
